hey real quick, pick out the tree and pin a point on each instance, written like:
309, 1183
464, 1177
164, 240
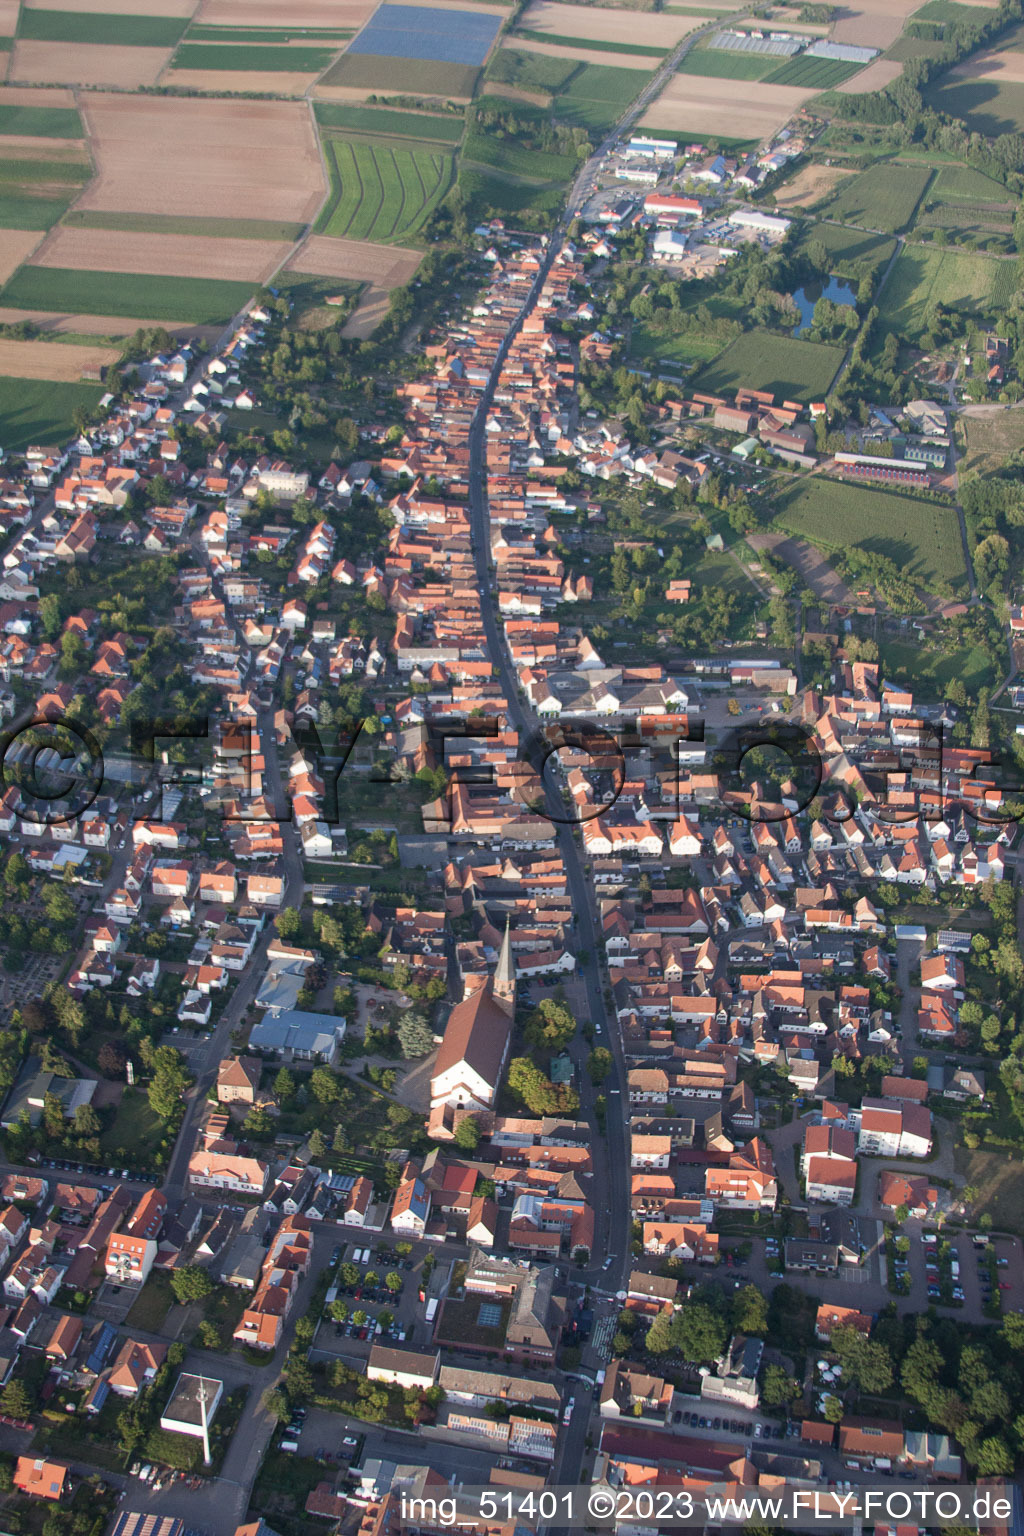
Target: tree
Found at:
415, 1035
599, 1064
15, 1400
393, 1280
168, 1083
867, 1363
284, 1086
699, 1333
112, 1059
324, 1086
288, 923
339, 1310
317, 1144
298, 1378
777, 1388
549, 1027
276, 1403
833, 1409
467, 1134
191, 1284
208, 1335
750, 1311
86, 1121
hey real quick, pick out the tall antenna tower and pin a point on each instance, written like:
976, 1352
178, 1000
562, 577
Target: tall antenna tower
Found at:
204, 1421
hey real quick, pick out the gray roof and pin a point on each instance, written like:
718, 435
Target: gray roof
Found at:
295, 1030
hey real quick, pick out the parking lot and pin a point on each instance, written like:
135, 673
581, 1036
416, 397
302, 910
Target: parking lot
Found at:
360, 1272
720, 1422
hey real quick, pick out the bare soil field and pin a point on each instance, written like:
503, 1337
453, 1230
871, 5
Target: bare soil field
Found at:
15, 245
810, 184
8, 17
236, 82
809, 562
383, 267
878, 74
30, 96
703, 104
86, 63
55, 360
872, 23
1008, 67
102, 325
161, 155
298, 13
113, 250
605, 26
118, 7
26, 146
594, 55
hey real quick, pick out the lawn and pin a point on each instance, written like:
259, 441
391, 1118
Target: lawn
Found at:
884, 197
531, 71
382, 191
852, 251
599, 45
814, 74
40, 411
414, 77
505, 155
922, 537
691, 347
486, 196
989, 107
98, 27
798, 370
184, 224
1000, 1178
240, 56
930, 668
152, 1304
197, 300
727, 64
309, 297
377, 120
991, 439
42, 122
922, 275
135, 1133
598, 94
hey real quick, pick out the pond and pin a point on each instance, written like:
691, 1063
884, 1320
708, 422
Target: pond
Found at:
806, 298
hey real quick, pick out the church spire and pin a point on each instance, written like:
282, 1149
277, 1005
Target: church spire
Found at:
504, 986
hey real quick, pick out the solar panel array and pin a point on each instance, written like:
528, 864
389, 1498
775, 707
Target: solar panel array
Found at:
847, 53
420, 32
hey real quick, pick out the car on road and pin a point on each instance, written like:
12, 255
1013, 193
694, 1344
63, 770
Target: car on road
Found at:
609, 1261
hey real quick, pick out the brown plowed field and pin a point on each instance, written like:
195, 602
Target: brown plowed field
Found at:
593, 55
119, 7
25, 96
229, 82
8, 17
383, 267
86, 63
878, 74
15, 245
161, 155
103, 325
113, 250
63, 362
810, 184
1007, 67
872, 23
705, 105
298, 13
605, 26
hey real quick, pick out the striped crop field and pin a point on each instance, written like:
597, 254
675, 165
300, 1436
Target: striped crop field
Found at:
383, 191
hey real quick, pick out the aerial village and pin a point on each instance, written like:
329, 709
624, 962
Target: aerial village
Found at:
766, 1050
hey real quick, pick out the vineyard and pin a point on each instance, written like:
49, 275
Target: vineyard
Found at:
382, 191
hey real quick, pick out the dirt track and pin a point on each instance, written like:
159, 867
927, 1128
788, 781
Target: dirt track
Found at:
808, 562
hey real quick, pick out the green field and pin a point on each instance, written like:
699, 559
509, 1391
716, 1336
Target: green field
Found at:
377, 120
923, 274
305, 61
883, 197
598, 94
653, 349
205, 34
727, 64
97, 27
986, 106
504, 155
930, 668
19, 210
184, 224
852, 251
597, 44
418, 77
382, 191
41, 411
922, 537
798, 370
814, 74
197, 300
531, 71
963, 182
35, 172
486, 196
42, 122
309, 295
946, 11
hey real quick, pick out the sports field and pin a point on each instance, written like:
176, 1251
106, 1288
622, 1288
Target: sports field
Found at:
65, 290
884, 197
407, 125
924, 274
99, 27
382, 191
922, 537
798, 370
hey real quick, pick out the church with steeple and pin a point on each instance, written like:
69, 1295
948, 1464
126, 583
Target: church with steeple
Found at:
477, 1037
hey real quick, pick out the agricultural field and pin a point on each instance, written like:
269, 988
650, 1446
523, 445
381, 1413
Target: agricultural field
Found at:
988, 106
200, 301
874, 77
358, 76
174, 156
512, 159
884, 197
922, 537
816, 74
872, 23
924, 274
592, 45
41, 411
252, 58
606, 26
581, 53
535, 72
852, 251
702, 107
811, 184
168, 255
382, 191
63, 362
597, 95
381, 267
180, 224
798, 370
727, 64
40, 122
16, 245
91, 64
57, 26
409, 125
992, 435
330, 14
424, 32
